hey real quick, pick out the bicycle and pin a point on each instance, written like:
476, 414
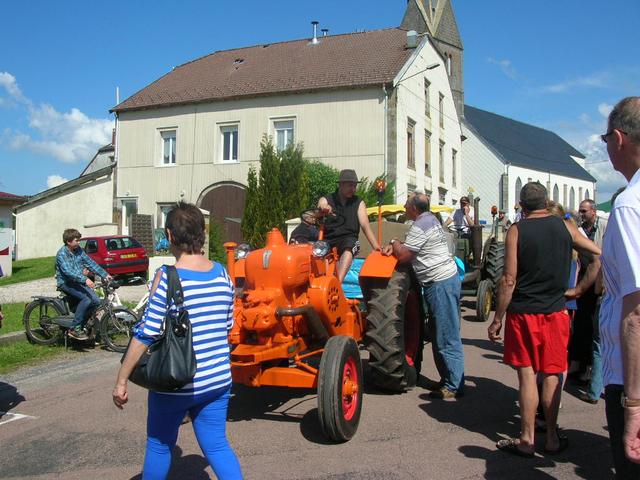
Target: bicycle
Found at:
46, 319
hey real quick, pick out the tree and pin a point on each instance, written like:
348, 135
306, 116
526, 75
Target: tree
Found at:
322, 180
294, 188
367, 192
251, 208
216, 246
269, 212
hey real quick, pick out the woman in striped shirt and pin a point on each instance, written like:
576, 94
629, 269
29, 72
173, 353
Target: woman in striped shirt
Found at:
208, 297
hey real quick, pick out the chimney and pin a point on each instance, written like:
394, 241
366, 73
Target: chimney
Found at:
314, 40
412, 39
325, 32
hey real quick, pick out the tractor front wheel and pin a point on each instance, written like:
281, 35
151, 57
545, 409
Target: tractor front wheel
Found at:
340, 388
484, 300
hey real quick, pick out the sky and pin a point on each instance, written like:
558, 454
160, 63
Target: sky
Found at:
559, 65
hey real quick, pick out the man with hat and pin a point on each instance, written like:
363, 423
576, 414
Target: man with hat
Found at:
462, 217
344, 236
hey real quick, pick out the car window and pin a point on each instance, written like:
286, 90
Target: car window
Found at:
82, 243
91, 246
121, 243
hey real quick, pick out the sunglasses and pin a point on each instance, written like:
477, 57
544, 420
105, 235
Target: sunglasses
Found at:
583, 211
606, 135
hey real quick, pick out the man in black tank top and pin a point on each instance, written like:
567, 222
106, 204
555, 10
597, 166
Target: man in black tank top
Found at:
532, 294
348, 206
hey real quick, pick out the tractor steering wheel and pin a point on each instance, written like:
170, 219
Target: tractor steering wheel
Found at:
318, 217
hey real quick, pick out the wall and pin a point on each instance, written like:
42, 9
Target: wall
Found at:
39, 226
6, 216
342, 128
411, 104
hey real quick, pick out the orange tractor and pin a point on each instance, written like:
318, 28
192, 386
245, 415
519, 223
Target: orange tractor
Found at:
294, 327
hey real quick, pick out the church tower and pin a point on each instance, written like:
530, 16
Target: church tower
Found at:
436, 18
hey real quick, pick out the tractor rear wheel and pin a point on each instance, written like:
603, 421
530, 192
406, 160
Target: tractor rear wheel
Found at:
494, 262
387, 303
340, 388
484, 300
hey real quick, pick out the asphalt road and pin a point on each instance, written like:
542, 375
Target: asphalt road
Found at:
61, 423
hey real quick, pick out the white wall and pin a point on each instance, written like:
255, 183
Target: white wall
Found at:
6, 216
411, 104
39, 226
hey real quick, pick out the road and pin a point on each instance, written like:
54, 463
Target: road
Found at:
62, 424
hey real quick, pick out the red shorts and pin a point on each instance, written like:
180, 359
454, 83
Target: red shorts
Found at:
537, 340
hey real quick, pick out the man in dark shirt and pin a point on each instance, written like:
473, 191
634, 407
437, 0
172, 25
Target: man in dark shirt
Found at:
532, 291
306, 232
352, 216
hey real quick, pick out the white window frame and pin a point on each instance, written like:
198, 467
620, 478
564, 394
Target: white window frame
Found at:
125, 212
274, 129
162, 217
164, 133
227, 128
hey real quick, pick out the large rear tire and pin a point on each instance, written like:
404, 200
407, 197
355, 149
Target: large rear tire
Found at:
385, 335
38, 324
117, 328
494, 262
340, 388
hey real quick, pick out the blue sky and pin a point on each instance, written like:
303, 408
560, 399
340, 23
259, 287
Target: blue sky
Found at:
559, 65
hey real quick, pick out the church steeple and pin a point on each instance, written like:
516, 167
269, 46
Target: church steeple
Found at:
437, 19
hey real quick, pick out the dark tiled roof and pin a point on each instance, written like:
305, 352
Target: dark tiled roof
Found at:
11, 196
526, 146
340, 61
447, 28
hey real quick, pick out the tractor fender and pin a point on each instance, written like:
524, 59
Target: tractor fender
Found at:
378, 265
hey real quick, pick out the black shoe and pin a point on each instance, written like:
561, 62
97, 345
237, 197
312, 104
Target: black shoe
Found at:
586, 398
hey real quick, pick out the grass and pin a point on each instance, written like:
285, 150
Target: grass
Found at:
31, 269
12, 317
22, 353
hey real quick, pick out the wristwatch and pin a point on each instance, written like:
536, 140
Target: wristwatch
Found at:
392, 241
629, 402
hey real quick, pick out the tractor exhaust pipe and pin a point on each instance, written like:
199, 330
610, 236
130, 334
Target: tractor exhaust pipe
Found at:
315, 324
476, 234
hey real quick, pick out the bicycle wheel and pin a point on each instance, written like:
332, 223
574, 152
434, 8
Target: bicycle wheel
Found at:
38, 325
117, 326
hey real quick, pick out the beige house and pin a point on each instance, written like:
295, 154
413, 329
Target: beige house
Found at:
378, 102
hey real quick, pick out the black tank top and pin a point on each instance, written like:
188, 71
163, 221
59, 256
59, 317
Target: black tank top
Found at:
351, 225
544, 263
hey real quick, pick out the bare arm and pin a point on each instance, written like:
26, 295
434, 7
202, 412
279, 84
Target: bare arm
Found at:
448, 221
400, 251
592, 252
366, 228
630, 339
507, 283
324, 205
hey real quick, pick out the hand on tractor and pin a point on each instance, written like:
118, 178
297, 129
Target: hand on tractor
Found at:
120, 394
387, 250
494, 330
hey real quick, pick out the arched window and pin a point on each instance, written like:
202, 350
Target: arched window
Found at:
556, 193
586, 195
517, 192
449, 64
572, 199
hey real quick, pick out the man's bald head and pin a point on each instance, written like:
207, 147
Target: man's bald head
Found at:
420, 201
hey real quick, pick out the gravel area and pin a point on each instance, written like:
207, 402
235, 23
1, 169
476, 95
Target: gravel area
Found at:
22, 292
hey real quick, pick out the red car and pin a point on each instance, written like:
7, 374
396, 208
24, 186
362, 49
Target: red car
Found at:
117, 254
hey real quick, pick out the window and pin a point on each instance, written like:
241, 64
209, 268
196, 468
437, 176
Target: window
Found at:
168, 147
572, 199
564, 195
427, 153
129, 208
449, 65
411, 144
427, 101
89, 246
442, 196
284, 133
454, 167
586, 195
229, 141
121, 243
556, 193
441, 161
163, 211
441, 108
580, 194
518, 188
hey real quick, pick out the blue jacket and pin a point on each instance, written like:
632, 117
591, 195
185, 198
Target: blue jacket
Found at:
69, 266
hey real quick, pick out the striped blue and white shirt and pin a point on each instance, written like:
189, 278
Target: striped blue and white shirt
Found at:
208, 297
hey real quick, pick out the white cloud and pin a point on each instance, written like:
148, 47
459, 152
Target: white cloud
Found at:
67, 136
605, 109
596, 80
505, 65
55, 180
600, 167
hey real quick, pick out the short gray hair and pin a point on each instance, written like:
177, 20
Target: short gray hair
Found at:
420, 201
625, 117
590, 202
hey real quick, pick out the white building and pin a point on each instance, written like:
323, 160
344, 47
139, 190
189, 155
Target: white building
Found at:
501, 155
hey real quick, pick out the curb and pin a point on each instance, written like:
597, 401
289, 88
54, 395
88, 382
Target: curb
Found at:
12, 337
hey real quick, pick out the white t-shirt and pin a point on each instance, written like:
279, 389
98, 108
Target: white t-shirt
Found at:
621, 273
460, 220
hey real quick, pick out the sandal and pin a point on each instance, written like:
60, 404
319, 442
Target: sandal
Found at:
563, 443
510, 445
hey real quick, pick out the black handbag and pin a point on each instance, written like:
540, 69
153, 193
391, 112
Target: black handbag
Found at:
170, 362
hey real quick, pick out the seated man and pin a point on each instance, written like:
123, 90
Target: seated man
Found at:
462, 218
346, 204
72, 268
306, 232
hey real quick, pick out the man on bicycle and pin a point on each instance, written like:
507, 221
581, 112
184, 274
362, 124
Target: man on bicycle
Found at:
73, 266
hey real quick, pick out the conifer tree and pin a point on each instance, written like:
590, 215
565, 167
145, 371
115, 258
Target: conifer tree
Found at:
251, 207
216, 246
270, 213
293, 181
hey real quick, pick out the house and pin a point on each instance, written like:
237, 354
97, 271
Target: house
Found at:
8, 202
502, 154
85, 203
377, 101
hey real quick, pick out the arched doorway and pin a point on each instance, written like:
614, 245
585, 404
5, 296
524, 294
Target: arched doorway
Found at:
572, 199
556, 193
225, 203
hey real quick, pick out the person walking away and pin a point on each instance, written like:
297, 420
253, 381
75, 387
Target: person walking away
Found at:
620, 308
426, 248
532, 291
346, 204
208, 297
73, 267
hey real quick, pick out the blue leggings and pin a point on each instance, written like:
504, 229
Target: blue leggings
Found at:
208, 413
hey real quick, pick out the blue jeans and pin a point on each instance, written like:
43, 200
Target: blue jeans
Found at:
208, 413
86, 297
443, 302
596, 383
